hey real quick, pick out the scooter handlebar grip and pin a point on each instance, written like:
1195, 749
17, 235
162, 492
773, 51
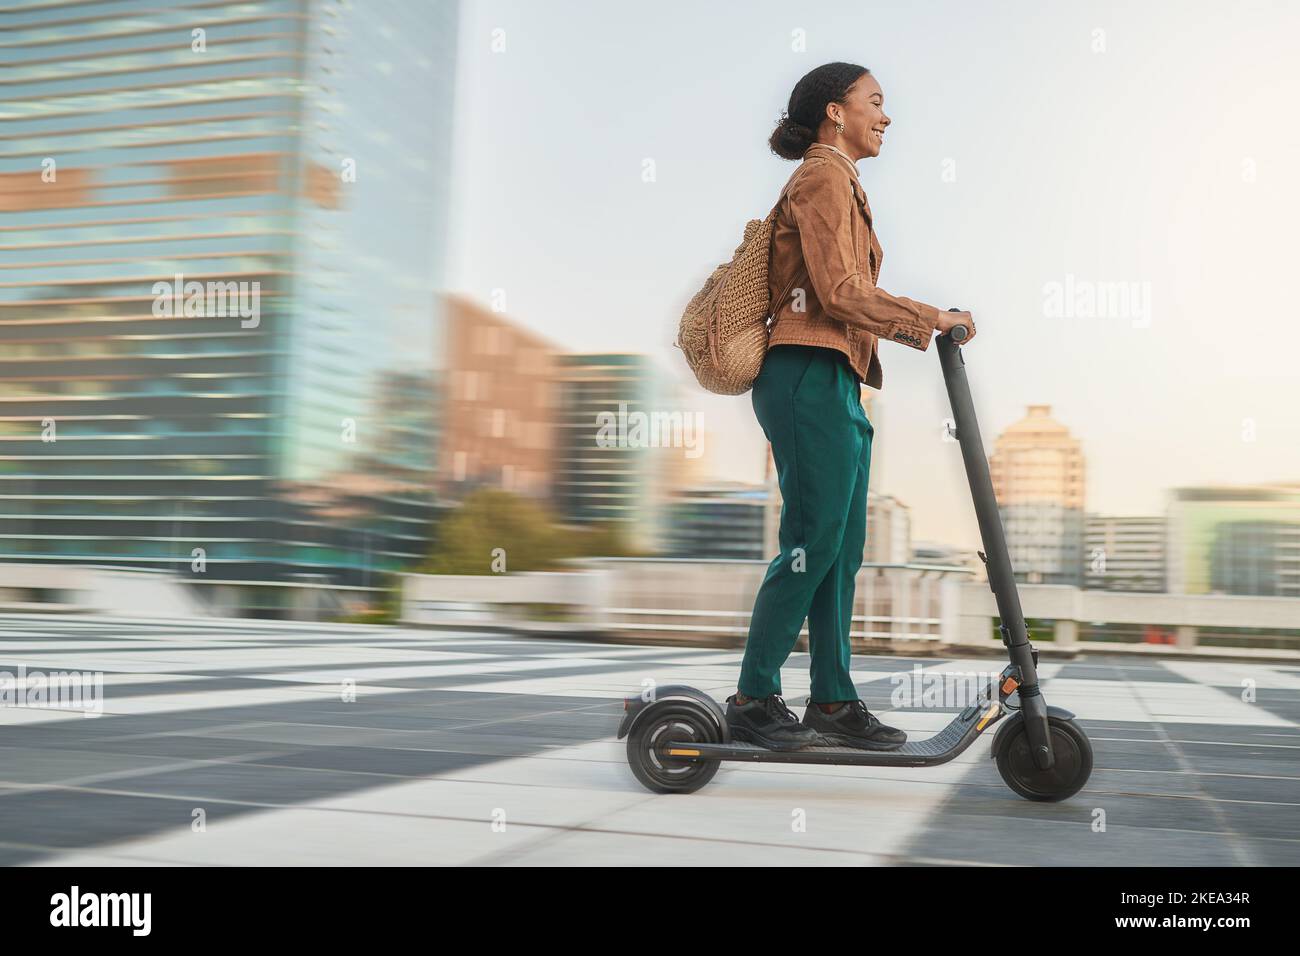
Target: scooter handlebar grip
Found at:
958, 332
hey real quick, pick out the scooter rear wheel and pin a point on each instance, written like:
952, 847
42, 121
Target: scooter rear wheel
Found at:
1072, 756
647, 748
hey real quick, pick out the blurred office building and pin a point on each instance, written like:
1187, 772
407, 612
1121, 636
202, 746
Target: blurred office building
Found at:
499, 407
889, 530
625, 439
1235, 539
224, 227
1124, 553
719, 520
1037, 470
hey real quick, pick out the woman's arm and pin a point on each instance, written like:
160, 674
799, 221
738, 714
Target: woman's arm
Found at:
822, 202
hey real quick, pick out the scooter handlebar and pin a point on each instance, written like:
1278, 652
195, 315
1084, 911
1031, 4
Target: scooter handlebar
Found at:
958, 333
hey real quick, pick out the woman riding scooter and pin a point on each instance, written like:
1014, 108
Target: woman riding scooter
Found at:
823, 347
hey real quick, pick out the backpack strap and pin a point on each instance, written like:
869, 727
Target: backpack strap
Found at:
776, 305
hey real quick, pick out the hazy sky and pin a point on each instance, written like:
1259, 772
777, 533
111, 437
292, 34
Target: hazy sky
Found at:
1153, 145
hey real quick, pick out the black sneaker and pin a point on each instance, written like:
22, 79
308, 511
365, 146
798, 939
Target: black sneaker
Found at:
768, 722
853, 726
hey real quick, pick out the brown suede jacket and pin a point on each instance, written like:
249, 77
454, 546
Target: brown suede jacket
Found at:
825, 251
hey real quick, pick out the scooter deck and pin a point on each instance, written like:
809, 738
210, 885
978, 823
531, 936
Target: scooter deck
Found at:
941, 748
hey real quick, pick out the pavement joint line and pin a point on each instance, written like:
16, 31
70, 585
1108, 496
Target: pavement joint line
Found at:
998, 788
183, 732
1205, 798
297, 723
154, 862
388, 693
1203, 743
417, 730
333, 771
942, 861
507, 854
225, 801
561, 832
492, 757
1201, 773
146, 771
1242, 854
63, 850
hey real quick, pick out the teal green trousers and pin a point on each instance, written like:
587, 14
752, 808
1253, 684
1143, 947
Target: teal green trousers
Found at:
808, 400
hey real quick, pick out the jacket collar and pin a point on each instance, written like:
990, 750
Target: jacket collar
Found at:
826, 149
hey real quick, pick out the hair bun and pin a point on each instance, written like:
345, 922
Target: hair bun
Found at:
790, 139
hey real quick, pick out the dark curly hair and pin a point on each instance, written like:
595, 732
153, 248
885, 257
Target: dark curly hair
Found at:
797, 129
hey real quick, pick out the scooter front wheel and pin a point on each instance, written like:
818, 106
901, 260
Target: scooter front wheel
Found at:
1072, 762
649, 750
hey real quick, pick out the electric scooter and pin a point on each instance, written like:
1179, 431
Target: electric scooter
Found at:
678, 738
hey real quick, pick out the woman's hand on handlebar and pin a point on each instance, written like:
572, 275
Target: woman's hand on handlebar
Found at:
948, 320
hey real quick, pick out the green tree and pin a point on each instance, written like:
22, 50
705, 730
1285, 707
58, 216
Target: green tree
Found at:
526, 533
489, 519
605, 539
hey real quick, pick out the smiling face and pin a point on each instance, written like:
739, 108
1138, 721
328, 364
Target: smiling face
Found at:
863, 116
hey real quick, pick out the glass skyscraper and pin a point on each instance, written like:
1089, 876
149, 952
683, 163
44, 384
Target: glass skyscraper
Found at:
222, 228
608, 469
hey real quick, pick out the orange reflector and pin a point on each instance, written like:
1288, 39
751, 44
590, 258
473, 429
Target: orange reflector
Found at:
992, 712
683, 753
1009, 685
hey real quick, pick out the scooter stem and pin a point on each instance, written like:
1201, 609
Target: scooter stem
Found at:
997, 559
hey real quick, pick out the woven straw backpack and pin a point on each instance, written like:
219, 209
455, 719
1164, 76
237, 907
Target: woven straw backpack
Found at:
724, 330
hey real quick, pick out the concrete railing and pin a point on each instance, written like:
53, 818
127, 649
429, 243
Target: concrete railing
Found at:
497, 599
95, 590
900, 608
681, 601
1235, 621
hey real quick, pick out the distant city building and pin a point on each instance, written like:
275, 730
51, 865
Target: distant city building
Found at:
1037, 470
499, 406
623, 438
218, 342
1234, 539
719, 520
889, 530
1123, 553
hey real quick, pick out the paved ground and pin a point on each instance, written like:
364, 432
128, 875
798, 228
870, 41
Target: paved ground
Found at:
495, 750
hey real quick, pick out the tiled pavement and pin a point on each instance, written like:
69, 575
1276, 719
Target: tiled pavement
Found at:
466, 748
